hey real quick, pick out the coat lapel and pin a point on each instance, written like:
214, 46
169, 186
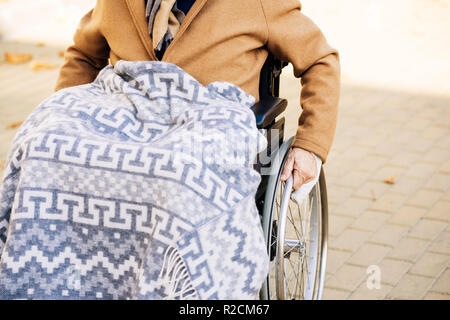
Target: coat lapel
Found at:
195, 9
137, 10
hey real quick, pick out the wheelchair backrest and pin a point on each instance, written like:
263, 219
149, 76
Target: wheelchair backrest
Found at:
269, 83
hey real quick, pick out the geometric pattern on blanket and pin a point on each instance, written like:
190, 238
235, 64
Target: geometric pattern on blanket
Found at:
139, 185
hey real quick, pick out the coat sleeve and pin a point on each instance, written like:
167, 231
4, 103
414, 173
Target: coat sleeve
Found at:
294, 38
87, 55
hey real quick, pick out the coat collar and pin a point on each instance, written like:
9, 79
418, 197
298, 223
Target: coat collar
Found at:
137, 10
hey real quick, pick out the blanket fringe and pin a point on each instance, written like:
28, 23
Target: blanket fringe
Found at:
175, 277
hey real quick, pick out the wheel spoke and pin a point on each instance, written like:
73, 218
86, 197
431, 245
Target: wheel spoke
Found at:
296, 274
293, 223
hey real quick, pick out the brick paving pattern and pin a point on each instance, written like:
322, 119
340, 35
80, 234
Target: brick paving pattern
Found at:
403, 227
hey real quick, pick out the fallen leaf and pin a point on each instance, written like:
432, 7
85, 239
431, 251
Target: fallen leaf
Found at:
390, 180
61, 54
36, 65
41, 44
2, 164
14, 125
17, 58
373, 195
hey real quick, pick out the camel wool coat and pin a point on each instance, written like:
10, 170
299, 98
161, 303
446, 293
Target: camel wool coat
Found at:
220, 40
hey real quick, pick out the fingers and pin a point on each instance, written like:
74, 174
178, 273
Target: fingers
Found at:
298, 179
314, 172
306, 169
305, 174
301, 164
288, 167
310, 173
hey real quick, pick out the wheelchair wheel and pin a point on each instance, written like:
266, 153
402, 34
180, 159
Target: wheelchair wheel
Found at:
296, 237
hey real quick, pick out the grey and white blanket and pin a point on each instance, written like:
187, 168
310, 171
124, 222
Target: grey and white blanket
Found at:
139, 185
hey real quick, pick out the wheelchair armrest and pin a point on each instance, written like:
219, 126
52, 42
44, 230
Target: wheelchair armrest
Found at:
267, 109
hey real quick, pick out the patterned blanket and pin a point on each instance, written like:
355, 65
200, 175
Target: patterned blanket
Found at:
139, 185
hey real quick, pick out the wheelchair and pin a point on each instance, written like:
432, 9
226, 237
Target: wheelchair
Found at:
295, 234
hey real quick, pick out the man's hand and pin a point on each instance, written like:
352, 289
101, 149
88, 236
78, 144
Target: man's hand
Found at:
302, 165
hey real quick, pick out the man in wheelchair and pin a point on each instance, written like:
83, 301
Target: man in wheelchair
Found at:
100, 200
219, 40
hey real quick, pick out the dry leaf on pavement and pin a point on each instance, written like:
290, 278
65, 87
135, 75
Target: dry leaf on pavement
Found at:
14, 125
35, 66
61, 54
2, 164
372, 193
390, 180
16, 58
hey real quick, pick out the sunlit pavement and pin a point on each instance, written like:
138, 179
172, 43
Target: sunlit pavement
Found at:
394, 122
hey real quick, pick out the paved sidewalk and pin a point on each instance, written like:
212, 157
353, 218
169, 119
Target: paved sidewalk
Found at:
394, 120
21, 89
393, 132
403, 228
